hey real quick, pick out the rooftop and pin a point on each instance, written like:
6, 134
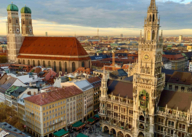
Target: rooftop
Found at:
174, 100
54, 95
65, 47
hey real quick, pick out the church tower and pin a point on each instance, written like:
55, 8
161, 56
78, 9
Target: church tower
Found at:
14, 38
148, 80
104, 90
26, 22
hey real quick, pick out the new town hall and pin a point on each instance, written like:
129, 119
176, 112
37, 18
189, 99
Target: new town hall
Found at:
145, 107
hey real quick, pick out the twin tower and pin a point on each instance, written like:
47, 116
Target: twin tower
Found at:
15, 36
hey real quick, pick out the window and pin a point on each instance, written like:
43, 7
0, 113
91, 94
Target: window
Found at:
43, 63
65, 66
60, 67
54, 66
73, 66
83, 64
33, 62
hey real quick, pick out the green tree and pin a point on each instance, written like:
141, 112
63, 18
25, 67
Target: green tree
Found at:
3, 59
9, 115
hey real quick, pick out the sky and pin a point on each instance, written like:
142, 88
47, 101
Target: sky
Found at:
111, 17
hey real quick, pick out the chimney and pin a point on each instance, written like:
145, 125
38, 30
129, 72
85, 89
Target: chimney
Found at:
29, 92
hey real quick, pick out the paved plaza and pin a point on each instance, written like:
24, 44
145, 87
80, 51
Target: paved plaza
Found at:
92, 131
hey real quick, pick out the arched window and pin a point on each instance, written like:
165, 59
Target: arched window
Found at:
38, 63
49, 64
60, 67
148, 35
19, 61
9, 20
65, 66
33, 62
43, 63
141, 118
153, 35
83, 64
23, 22
150, 18
16, 21
23, 61
28, 62
54, 66
153, 17
73, 66
30, 22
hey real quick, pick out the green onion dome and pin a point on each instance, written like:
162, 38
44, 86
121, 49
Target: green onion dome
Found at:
26, 10
12, 7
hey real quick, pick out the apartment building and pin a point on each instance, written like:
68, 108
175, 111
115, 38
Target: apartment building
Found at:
46, 112
96, 83
88, 92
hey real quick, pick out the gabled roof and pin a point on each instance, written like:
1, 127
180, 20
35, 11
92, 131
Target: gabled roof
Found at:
180, 78
173, 99
35, 47
84, 85
124, 89
54, 95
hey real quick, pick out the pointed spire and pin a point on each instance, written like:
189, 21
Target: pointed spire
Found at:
140, 35
152, 5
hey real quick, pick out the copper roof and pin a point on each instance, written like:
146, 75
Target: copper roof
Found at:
173, 99
65, 46
54, 95
124, 89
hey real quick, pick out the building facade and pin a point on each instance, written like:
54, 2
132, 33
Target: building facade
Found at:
47, 112
143, 108
61, 53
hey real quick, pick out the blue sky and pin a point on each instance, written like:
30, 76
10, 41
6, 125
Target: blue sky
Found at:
112, 17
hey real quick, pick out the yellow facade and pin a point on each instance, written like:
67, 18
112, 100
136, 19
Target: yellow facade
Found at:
46, 119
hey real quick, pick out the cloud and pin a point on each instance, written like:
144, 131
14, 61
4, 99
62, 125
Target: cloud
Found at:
106, 13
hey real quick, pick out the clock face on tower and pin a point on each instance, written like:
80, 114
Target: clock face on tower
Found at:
10, 30
30, 30
146, 56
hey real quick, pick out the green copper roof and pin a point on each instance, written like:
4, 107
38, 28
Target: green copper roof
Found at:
12, 7
26, 10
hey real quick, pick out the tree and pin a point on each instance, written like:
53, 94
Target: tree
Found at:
3, 59
8, 114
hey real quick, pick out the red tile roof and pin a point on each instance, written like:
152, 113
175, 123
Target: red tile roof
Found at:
64, 46
83, 70
54, 95
174, 57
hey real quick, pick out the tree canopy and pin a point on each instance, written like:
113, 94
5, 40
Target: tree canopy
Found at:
9, 115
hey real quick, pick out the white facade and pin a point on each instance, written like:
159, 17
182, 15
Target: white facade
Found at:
190, 66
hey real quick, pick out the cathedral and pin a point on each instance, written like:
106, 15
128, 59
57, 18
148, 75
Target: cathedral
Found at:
61, 53
143, 108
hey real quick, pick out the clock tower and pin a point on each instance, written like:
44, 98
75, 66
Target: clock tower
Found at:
14, 38
26, 22
148, 80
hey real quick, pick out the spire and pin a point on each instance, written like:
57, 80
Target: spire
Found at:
152, 5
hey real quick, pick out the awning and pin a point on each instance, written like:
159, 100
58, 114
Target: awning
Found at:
91, 120
82, 135
78, 124
97, 116
60, 133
